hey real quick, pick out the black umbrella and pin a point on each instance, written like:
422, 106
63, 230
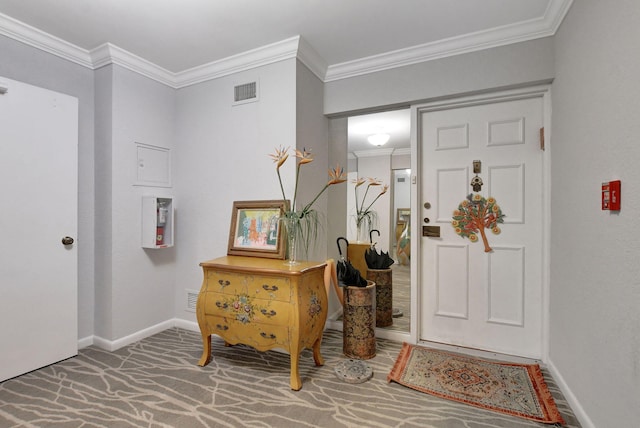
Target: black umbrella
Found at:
347, 274
374, 259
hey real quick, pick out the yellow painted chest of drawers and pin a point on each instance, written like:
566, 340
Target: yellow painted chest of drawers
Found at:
263, 303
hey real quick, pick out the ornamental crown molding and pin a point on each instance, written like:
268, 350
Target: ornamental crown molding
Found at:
108, 53
269, 54
294, 47
31, 36
481, 40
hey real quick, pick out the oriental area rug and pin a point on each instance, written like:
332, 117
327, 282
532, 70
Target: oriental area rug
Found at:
514, 389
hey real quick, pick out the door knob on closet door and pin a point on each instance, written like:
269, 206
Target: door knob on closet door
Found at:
67, 240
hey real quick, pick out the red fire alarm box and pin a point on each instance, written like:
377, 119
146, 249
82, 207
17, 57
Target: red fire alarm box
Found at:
611, 195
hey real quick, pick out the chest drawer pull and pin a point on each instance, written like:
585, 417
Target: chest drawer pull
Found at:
270, 287
267, 336
222, 327
222, 305
267, 313
223, 282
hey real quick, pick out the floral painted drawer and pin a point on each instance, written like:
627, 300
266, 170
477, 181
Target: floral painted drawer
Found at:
252, 334
247, 309
260, 286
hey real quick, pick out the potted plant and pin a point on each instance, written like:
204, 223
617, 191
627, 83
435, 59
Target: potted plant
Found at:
301, 224
366, 217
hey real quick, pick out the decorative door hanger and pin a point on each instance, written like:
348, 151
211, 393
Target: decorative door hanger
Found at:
474, 215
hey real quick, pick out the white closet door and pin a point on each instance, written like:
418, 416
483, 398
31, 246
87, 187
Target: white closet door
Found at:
38, 273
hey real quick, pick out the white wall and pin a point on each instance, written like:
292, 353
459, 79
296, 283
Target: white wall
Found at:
135, 285
501, 67
103, 203
27, 64
312, 133
595, 274
222, 156
338, 148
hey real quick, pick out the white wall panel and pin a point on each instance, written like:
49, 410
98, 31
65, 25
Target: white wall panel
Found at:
452, 137
505, 132
452, 281
506, 286
506, 184
452, 186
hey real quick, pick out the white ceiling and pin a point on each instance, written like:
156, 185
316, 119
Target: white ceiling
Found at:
396, 123
181, 34
340, 37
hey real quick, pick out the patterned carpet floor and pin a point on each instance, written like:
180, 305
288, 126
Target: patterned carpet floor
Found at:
156, 383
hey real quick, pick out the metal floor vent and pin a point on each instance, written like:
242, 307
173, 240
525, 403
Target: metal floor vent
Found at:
245, 93
192, 299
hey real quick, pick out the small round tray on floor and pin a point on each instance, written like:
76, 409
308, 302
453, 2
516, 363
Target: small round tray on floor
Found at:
353, 371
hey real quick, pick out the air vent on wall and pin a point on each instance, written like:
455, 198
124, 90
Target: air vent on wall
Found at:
192, 299
245, 93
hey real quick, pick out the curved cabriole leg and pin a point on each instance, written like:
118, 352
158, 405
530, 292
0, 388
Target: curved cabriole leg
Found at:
206, 350
296, 383
317, 358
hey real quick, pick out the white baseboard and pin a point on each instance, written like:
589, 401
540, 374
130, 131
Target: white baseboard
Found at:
113, 345
187, 325
333, 325
85, 342
582, 416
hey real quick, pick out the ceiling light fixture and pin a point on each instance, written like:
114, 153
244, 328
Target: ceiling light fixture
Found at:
378, 139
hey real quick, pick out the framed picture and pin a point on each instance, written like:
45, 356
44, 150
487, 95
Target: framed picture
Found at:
255, 229
403, 215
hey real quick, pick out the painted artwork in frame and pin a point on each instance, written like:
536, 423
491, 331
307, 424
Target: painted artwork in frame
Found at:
256, 229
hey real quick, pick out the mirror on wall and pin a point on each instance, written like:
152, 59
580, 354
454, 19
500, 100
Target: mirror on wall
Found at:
379, 148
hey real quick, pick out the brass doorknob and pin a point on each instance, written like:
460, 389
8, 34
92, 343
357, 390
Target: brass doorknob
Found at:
67, 240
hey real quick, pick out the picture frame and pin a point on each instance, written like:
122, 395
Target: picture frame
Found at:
403, 215
256, 230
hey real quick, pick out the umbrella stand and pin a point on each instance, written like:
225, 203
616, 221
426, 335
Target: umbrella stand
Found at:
353, 369
378, 271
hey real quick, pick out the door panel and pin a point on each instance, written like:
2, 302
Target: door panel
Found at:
38, 169
469, 297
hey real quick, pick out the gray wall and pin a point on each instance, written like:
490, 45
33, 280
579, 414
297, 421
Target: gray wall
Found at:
595, 273
312, 133
103, 202
222, 157
134, 286
501, 67
142, 279
26, 64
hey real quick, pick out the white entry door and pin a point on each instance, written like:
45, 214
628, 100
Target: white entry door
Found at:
469, 297
38, 274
